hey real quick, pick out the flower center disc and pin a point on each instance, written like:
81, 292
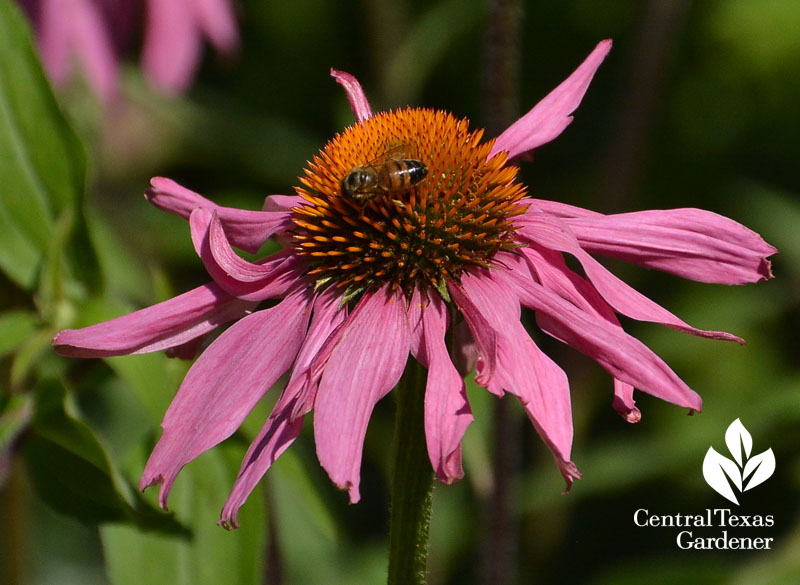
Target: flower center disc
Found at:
372, 216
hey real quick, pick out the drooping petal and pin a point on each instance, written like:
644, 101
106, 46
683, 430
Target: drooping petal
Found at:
286, 419
549, 268
277, 434
416, 329
553, 233
224, 385
622, 355
624, 403
525, 371
355, 94
363, 367
329, 319
227, 260
549, 117
164, 325
447, 412
483, 334
691, 243
465, 351
253, 282
245, 229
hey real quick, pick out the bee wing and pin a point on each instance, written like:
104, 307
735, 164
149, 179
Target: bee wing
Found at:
396, 151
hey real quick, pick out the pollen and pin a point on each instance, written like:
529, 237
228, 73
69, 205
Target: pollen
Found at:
407, 197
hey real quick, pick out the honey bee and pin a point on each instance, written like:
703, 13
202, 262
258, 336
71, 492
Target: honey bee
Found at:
389, 173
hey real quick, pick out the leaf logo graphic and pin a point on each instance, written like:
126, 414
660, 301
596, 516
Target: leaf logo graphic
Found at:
745, 472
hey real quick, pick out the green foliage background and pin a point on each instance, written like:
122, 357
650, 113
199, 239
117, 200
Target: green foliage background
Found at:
695, 106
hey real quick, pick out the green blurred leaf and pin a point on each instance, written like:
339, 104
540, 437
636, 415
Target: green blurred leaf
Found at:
14, 417
760, 36
125, 273
212, 555
427, 42
72, 473
28, 356
298, 503
41, 160
153, 377
15, 327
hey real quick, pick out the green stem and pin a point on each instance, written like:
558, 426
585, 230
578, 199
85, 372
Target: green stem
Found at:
412, 483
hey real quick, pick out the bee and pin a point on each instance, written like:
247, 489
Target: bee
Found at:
390, 173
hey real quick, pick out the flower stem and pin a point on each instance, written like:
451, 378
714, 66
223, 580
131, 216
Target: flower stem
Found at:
412, 483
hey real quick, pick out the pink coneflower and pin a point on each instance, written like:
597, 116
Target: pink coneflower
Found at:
364, 281
92, 33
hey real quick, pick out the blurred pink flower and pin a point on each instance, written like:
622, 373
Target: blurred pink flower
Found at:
93, 33
173, 40
464, 248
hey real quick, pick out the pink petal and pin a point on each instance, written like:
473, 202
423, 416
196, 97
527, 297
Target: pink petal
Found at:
561, 210
464, 350
692, 243
364, 366
227, 260
223, 386
624, 403
624, 356
216, 19
550, 232
172, 45
355, 95
245, 229
549, 269
447, 412
285, 422
525, 371
415, 327
483, 334
278, 274
277, 434
283, 203
168, 324
550, 116
329, 318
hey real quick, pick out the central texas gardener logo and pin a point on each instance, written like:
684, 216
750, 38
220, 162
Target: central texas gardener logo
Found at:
743, 472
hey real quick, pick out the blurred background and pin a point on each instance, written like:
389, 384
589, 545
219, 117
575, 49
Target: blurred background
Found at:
696, 106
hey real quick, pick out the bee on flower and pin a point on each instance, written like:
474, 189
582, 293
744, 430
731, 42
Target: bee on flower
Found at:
363, 282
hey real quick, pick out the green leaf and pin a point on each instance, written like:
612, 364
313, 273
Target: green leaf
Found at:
42, 162
213, 555
72, 473
15, 327
434, 32
299, 505
14, 417
153, 377
126, 273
